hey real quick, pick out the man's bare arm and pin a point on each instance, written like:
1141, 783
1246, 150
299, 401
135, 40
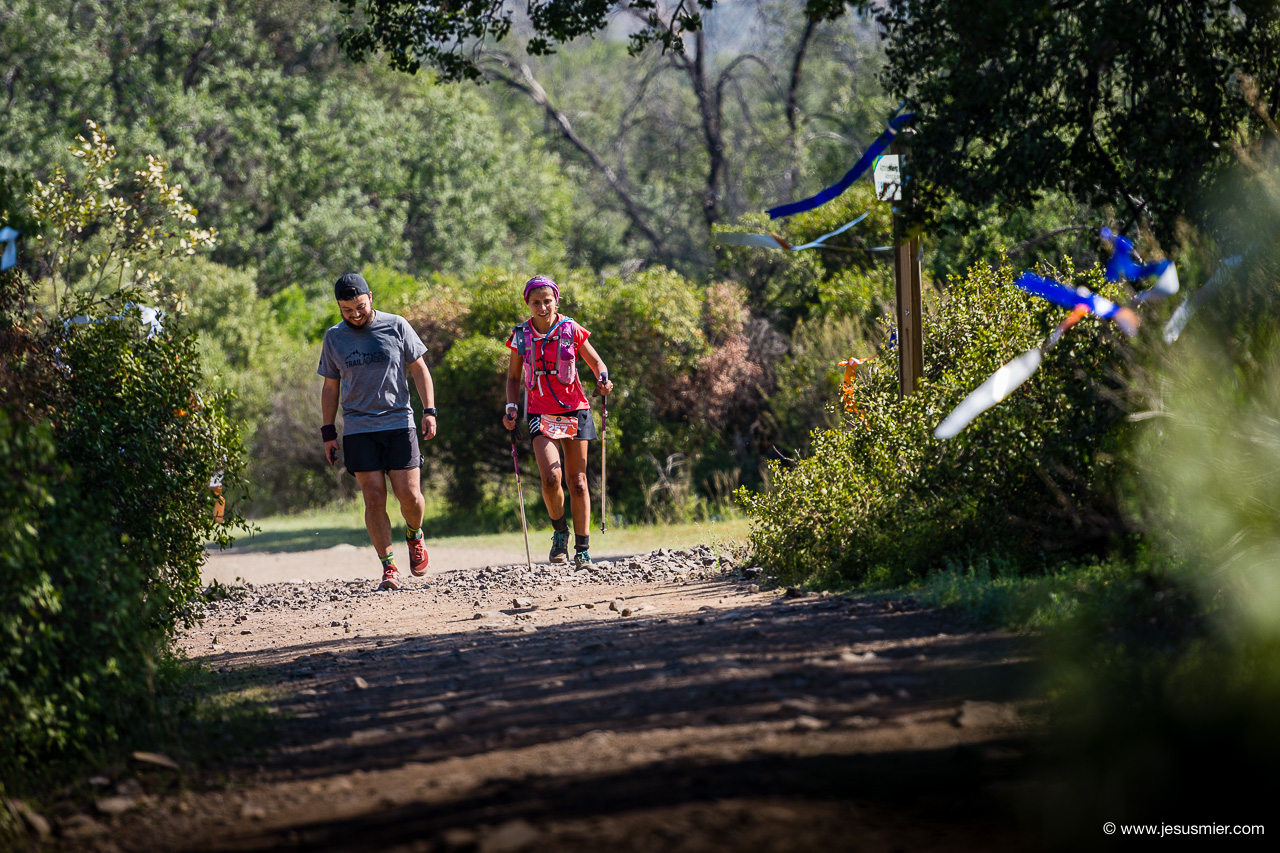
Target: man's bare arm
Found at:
427, 392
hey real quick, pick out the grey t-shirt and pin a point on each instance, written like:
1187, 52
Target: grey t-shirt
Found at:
371, 362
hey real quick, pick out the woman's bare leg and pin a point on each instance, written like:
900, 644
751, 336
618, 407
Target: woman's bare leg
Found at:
549, 466
575, 458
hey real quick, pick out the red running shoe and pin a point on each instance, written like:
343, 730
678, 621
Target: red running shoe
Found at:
390, 578
417, 554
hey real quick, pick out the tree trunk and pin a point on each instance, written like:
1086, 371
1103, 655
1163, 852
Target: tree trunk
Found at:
709, 106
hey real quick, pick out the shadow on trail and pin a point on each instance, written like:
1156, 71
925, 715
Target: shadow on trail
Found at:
850, 676
934, 791
510, 689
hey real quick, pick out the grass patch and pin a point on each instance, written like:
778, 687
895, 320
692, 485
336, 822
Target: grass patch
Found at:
995, 593
1109, 594
308, 530
341, 524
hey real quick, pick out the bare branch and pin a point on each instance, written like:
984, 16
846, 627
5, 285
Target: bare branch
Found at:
1027, 244
746, 57
797, 74
826, 134
528, 84
643, 89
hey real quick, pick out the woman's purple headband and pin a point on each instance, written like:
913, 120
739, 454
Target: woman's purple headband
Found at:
540, 281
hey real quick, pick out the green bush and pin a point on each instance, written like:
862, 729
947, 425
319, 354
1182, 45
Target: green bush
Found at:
1031, 480
102, 525
649, 330
807, 391
113, 438
286, 462
473, 444
134, 425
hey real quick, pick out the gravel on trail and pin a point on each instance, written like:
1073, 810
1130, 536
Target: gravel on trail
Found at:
660, 566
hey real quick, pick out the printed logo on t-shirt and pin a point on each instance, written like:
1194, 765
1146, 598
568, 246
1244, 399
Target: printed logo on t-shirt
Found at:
357, 358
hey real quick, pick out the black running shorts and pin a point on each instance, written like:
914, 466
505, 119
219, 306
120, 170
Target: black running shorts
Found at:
586, 426
385, 450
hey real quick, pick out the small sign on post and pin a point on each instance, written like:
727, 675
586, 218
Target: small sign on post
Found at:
887, 174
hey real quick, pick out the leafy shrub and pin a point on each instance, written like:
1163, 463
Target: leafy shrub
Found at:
436, 310
648, 329
286, 461
1209, 453
473, 443
113, 441
103, 536
807, 389
1031, 480
301, 314
135, 427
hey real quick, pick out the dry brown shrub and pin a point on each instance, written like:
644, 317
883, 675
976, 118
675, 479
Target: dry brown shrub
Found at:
724, 313
438, 320
725, 385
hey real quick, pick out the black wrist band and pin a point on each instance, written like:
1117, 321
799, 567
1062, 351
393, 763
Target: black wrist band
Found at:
329, 432
430, 410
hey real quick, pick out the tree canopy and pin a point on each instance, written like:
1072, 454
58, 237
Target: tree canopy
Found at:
303, 163
444, 33
1130, 106
1114, 103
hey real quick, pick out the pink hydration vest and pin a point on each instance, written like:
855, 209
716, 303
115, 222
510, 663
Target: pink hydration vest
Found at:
566, 370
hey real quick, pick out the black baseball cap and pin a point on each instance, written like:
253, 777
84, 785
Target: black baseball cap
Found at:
350, 286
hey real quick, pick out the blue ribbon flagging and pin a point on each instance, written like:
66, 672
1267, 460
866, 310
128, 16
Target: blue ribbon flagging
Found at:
1066, 297
10, 257
769, 241
895, 124
1122, 266
150, 317
843, 228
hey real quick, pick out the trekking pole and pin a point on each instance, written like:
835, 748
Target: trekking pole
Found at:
604, 455
524, 525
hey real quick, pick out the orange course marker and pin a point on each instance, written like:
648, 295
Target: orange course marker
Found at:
851, 366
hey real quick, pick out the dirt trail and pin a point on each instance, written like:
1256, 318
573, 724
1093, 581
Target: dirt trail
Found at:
700, 715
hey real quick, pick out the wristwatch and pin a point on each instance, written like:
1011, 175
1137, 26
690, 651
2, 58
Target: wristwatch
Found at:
511, 406
430, 410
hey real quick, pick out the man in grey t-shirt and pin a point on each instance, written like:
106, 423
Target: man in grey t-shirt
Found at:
366, 361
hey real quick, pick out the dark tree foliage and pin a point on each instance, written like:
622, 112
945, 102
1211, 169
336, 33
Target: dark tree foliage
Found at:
1113, 102
443, 33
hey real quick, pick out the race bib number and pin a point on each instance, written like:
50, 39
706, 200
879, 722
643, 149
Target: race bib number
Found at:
559, 426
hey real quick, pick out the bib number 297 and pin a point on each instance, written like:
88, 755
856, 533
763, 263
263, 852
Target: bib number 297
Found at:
559, 426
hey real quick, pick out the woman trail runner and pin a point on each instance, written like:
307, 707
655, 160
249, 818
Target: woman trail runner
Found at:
545, 351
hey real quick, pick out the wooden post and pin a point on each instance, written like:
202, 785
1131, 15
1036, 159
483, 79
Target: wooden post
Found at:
906, 270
